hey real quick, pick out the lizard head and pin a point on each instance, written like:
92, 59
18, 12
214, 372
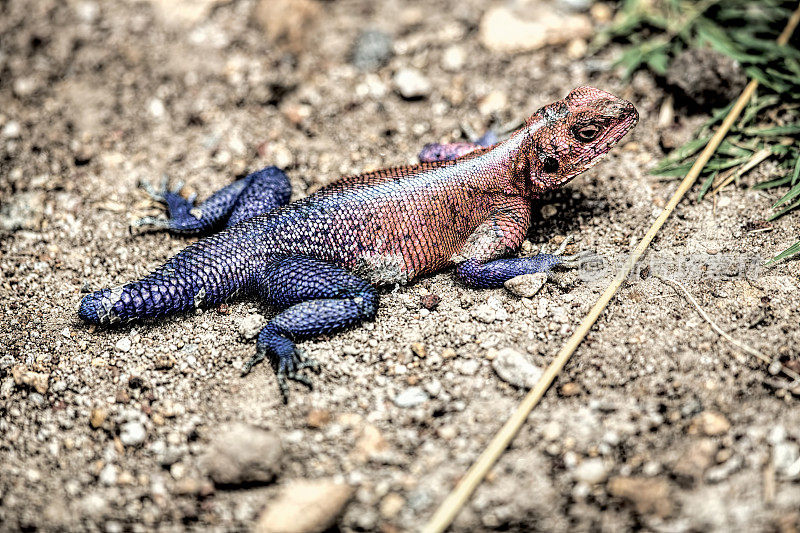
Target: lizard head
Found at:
570, 136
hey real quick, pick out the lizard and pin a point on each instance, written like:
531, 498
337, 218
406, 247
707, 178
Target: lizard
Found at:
320, 259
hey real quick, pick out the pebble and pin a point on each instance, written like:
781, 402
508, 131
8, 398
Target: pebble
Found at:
132, 433
648, 495
696, 459
251, 325
371, 50
123, 345
494, 102
241, 453
551, 431
454, 58
484, 313
513, 367
305, 506
784, 456
98, 417
434, 387
502, 29
711, 423
38, 381
12, 130
430, 301
411, 84
591, 471
724, 471
468, 367
108, 475
526, 285
411, 397
391, 504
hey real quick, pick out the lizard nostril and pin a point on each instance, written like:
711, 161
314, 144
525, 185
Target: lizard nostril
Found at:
550, 165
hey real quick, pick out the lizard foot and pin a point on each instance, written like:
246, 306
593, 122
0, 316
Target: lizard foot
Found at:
288, 365
160, 195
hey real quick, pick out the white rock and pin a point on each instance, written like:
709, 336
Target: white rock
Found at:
411, 397
411, 83
12, 130
504, 30
251, 325
468, 367
453, 58
591, 471
123, 345
514, 368
526, 285
132, 433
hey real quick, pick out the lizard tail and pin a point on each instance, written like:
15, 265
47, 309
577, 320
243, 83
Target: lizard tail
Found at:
204, 274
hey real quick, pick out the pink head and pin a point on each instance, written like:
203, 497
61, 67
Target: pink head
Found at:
570, 136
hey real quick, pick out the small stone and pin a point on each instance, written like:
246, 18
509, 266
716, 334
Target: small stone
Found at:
502, 29
251, 325
570, 389
305, 506
710, 423
370, 443
577, 48
494, 102
601, 12
23, 87
23, 377
591, 471
724, 471
97, 417
411, 397
648, 495
453, 58
391, 505
784, 456
123, 345
434, 387
448, 353
12, 130
411, 84
448, 432
549, 210
156, 108
484, 313
696, 459
241, 453
551, 431
526, 285
318, 418
108, 475
418, 349
468, 367
514, 368
371, 50
430, 301
132, 433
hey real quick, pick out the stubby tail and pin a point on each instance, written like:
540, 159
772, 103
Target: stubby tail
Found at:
206, 273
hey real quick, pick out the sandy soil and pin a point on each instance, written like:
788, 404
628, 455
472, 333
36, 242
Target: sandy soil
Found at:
655, 424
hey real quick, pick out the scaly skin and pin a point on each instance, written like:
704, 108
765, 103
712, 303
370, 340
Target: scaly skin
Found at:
319, 259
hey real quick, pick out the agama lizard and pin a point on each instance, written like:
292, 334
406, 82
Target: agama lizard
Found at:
319, 259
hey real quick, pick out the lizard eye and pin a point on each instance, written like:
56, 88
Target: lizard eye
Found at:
586, 134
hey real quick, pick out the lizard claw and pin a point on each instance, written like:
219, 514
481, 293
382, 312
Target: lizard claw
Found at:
155, 222
580, 259
287, 367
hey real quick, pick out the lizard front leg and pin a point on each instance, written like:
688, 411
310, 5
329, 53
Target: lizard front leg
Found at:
252, 195
316, 298
480, 263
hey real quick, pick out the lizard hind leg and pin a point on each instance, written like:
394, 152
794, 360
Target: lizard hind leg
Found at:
252, 195
315, 298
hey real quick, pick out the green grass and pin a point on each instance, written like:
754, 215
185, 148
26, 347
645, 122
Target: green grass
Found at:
654, 32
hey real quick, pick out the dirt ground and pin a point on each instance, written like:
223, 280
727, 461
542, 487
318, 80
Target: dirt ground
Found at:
655, 424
